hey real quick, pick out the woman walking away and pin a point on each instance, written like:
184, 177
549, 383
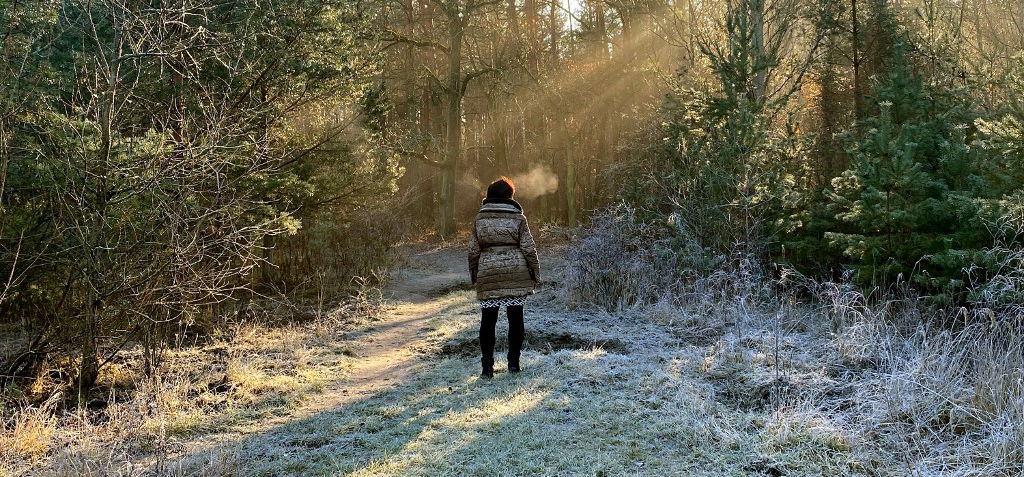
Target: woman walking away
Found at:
504, 267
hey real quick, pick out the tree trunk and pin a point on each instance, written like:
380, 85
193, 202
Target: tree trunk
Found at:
430, 126
570, 179
834, 114
858, 82
554, 32
533, 38
758, 63
88, 369
405, 110
513, 27
453, 123
4, 160
500, 140
605, 126
627, 44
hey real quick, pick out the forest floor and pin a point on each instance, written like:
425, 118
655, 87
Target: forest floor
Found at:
600, 394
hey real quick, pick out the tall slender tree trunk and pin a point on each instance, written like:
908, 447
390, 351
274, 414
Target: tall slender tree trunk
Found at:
5, 156
453, 123
499, 135
430, 125
554, 31
758, 63
830, 113
88, 369
570, 178
858, 82
626, 52
533, 36
512, 17
831, 110
406, 110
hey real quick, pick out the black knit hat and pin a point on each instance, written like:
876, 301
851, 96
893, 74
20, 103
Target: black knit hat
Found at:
503, 188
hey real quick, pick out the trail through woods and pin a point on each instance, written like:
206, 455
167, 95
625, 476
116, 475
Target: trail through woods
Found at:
387, 350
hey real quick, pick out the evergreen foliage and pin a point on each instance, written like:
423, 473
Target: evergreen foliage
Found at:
930, 178
909, 207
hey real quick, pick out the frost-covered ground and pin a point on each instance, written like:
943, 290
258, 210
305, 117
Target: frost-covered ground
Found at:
730, 389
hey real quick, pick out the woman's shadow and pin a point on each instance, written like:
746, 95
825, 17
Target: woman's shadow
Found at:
435, 414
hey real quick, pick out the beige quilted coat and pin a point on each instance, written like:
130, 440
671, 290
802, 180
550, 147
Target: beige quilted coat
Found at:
502, 254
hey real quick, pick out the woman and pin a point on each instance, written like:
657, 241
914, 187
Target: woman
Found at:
504, 267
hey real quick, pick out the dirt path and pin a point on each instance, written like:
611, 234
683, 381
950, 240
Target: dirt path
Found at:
388, 350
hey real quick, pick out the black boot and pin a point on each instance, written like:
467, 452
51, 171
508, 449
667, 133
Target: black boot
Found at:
488, 368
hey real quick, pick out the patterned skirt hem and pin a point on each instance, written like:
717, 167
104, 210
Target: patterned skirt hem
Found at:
507, 301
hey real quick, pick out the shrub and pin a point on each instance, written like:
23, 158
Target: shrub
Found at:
621, 261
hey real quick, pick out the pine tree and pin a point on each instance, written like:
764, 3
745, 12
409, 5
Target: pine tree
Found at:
908, 208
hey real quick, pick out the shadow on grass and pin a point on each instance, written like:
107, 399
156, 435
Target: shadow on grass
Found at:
381, 432
428, 422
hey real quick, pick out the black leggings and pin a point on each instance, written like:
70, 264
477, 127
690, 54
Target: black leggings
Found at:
489, 318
